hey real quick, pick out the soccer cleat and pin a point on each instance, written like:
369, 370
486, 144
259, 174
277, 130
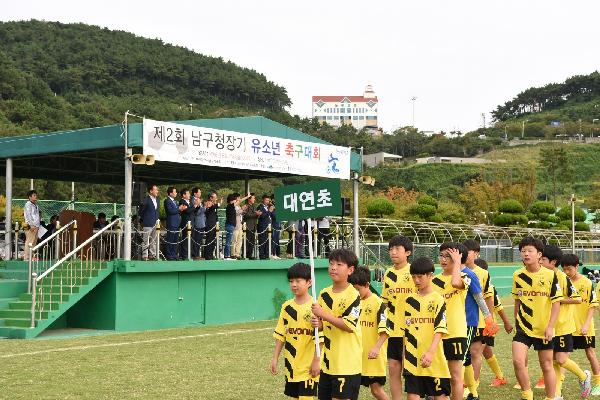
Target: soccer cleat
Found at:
500, 382
596, 390
540, 384
586, 384
517, 386
471, 397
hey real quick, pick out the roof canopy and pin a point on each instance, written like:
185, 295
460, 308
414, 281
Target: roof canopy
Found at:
96, 155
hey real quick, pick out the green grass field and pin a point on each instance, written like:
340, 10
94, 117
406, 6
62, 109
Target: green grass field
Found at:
221, 362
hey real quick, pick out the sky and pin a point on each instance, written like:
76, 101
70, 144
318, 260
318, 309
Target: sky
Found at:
460, 59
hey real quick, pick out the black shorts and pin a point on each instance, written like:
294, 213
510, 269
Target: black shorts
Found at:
339, 386
584, 342
455, 348
537, 343
563, 344
369, 380
302, 388
426, 385
394, 348
480, 337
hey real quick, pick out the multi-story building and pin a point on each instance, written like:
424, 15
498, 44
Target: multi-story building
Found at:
358, 111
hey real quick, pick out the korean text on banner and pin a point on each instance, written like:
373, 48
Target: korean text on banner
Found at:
308, 200
228, 149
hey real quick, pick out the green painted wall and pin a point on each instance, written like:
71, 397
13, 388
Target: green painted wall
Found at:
157, 295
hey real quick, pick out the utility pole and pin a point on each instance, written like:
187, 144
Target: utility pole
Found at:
413, 109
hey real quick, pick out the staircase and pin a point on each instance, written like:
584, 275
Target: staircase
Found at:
56, 289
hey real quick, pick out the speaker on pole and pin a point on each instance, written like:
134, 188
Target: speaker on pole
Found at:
138, 193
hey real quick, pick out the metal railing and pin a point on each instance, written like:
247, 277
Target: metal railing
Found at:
53, 286
44, 253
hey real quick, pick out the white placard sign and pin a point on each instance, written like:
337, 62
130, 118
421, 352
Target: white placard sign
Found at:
228, 149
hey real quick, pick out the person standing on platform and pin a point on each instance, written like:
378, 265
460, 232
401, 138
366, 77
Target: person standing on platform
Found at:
32, 221
230, 217
276, 225
212, 219
238, 232
172, 210
250, 216
198, 223
149, 214
187, 213
264, 220
323, 235
101, 221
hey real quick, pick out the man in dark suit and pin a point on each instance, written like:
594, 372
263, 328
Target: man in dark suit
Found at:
211, 221
172, 210
149, 214
187, 213
250, 214
264, 219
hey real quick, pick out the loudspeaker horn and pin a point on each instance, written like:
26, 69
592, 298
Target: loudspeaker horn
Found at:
150, 159
138, 159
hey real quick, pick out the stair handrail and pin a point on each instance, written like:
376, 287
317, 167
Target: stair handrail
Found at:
36, 279
40, 245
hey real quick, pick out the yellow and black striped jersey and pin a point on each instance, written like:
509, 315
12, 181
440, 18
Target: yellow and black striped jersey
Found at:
397, 285
455, 303
497, 303
486, 289
565, 324
588, 300
424, 316
373, 322
342, 351
295, 331
536, 292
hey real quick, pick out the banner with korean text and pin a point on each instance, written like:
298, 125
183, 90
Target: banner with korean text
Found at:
308, 200
228, 149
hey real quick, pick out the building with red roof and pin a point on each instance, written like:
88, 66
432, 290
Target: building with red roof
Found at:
358, 111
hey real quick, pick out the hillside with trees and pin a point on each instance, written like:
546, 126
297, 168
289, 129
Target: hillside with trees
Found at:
56, 76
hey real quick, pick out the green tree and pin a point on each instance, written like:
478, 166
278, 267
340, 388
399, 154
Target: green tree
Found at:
557, 166
379, 207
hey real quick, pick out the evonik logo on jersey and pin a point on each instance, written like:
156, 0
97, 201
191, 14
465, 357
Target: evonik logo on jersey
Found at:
299, 331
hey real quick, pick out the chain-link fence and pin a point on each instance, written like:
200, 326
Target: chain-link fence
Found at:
48, 208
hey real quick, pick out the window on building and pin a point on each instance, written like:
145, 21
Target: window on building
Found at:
355, 117
329, 117
348, 110
336, 117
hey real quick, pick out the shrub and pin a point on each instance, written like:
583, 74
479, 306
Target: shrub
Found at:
422, 210
380, 207
553, 219
565, 214
510, 206
503, 220
519, 219
582, 226
435, 218
426, 199
542, 207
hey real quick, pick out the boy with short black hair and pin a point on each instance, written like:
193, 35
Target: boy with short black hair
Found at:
477, 344
565, 324
426, 371
295, 333
488, 351
537, 295
584, 337
453, 285
373, 322
397, 285
337, 314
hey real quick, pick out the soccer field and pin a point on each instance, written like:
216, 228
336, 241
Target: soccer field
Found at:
221, 362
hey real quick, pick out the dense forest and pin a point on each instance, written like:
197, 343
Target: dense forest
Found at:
56, 76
